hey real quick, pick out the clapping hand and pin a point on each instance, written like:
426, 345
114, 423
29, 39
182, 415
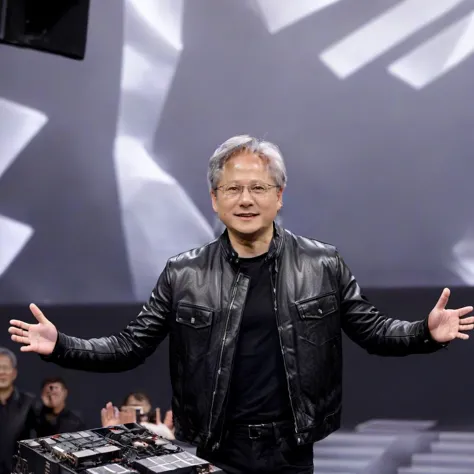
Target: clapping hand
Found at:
111, 416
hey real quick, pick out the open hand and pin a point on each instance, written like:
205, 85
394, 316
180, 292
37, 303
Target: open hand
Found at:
448, 324
40, 338
111, 415
165, 428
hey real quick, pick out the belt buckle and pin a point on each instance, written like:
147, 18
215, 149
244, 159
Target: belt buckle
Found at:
254, 431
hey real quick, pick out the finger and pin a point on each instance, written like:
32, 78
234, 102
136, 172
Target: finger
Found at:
463, 336
158, 416
110, 409
469, 320
464, 311
27, 348
37, 313
169, 419
466, 327
17, 331
21, 339
103, 416
443, 299
20, 324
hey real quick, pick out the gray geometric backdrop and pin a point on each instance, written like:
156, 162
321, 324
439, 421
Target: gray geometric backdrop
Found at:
103, 162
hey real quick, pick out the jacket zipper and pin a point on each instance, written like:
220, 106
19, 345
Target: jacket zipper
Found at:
275, 307
233, 293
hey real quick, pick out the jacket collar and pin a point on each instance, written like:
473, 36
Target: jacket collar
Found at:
274, 251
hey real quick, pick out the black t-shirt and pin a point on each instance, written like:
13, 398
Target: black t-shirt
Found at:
258, 390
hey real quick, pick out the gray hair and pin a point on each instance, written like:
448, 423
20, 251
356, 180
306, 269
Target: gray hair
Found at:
7, 352
246, 143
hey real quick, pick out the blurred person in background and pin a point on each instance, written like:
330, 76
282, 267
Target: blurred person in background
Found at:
137, 408
55, 417
18, 411
141, 402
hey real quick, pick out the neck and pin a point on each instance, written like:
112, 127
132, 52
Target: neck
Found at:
248, 246
5, 394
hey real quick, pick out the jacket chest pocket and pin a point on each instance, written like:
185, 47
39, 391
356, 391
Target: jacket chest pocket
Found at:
194, 324
319, 319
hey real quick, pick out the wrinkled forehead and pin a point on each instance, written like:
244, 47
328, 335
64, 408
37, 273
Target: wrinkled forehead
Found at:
246, 165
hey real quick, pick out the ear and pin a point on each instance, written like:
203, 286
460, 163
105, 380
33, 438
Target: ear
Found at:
15, 374
280, 198
214, 200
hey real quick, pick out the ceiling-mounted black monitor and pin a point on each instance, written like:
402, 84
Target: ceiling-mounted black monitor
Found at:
54, 26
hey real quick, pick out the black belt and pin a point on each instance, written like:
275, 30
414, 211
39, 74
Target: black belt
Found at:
274, 430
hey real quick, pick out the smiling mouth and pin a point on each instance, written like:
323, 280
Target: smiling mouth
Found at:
246, 215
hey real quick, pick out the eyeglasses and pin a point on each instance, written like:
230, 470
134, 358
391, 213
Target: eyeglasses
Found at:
255, 189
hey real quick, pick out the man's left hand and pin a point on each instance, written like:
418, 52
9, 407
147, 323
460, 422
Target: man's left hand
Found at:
448, 324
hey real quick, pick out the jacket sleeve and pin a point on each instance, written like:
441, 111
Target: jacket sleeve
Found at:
127, 349
374, 331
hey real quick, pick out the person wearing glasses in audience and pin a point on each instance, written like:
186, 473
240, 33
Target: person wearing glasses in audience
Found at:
18, 411
254, 320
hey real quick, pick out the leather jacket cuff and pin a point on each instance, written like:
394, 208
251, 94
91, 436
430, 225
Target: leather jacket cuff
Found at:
428, 338
59, 349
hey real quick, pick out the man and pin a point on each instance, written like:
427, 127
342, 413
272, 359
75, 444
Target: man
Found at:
254, 320
18, 411
55, 417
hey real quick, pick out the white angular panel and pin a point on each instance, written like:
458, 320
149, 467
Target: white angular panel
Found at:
145, 84
19, 124
159, 218
463, 253
163, 17
375, 38
14, 236
280, 14
437, 56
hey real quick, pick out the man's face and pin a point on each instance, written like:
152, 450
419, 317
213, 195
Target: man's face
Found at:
7, 373
54, 395
247, 214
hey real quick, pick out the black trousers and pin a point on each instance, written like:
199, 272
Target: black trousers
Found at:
262, 449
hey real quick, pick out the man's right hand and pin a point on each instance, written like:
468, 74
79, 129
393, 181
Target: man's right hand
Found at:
40, 338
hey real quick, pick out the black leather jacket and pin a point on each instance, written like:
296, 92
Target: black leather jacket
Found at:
198, 301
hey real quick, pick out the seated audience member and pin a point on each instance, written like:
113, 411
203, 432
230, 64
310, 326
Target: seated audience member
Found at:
18, 411
140, 402
137, 408
55, 417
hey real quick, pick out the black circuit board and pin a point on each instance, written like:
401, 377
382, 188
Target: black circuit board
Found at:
122, 449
